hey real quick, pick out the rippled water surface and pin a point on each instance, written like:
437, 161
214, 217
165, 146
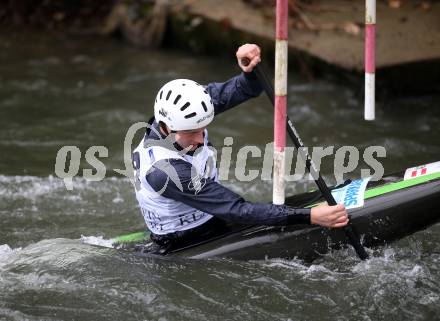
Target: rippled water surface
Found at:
84, 92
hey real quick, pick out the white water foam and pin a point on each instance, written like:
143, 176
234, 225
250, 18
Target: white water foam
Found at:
311, 272
28, 187
6, 250
97, 240
33, 187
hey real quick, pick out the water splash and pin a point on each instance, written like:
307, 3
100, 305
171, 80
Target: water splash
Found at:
97, 240
6, 251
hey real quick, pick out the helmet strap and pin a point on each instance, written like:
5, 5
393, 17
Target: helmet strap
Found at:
164, 128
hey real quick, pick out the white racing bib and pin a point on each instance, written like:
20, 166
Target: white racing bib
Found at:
164, 215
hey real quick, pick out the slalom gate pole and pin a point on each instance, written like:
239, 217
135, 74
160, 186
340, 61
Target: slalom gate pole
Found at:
281, 48
370, 59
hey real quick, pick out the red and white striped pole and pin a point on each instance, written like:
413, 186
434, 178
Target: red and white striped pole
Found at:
281, 48
370, 57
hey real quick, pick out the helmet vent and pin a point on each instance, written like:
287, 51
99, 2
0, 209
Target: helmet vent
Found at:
204, 106
160, 96
177, 99
190, 115
169, 94
185, 107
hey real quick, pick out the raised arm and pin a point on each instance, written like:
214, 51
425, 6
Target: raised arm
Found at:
240, 88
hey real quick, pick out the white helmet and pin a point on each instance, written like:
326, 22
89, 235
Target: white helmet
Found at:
183, 104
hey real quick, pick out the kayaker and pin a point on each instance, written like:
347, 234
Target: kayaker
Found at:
179, 196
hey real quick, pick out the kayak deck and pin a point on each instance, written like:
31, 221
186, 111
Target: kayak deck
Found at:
393, 208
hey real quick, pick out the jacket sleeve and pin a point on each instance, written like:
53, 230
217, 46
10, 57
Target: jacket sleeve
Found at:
209, 196
234, 91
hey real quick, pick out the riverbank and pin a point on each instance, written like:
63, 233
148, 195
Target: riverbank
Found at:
325, 37
331, 38
334, 30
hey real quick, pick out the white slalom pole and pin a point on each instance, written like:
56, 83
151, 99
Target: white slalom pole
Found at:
370, 57
281, 52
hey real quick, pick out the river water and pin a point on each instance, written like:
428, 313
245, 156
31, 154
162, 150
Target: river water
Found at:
85, 92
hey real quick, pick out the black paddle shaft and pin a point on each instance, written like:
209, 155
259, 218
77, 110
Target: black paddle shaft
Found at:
268, 88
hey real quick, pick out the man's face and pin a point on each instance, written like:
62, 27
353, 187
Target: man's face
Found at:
190, 138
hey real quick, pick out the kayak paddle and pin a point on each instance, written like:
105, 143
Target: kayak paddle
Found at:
268, 88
